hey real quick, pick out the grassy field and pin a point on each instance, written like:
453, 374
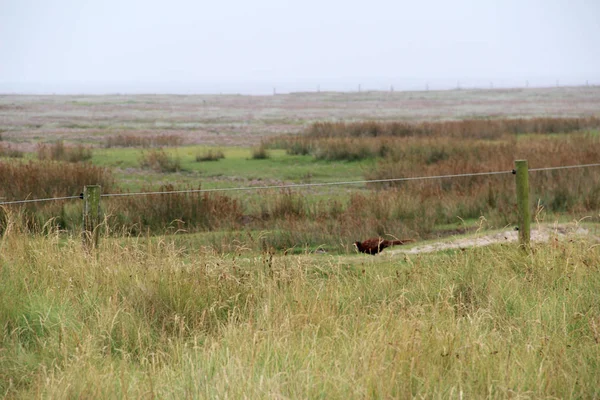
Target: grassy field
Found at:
145, 319
237, 168
230, 120
260, 294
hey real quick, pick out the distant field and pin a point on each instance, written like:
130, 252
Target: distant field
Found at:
236, 120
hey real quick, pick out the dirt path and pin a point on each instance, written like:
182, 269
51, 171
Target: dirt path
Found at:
541, 233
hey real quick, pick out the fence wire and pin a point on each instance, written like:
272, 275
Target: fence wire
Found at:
302, 185
38, 200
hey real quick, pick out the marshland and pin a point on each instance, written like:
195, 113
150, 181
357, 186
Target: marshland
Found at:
237, 277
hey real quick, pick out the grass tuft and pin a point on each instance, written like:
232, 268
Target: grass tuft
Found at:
160, 161
260, 152
210, 155
129, 140
59, 152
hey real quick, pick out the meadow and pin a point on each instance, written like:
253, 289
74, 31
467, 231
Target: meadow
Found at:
145, 319
260, 293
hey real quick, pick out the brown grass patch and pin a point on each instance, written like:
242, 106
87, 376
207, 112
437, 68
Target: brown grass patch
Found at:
164, 140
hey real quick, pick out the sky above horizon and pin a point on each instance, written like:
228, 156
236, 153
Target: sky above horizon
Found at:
185, 46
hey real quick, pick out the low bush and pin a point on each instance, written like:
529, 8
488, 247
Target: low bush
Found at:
145, 141
19, 180
210, 155
59, 152
260, 152
159, 161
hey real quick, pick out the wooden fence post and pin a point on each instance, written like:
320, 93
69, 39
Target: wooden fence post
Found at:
522, 173
91, 216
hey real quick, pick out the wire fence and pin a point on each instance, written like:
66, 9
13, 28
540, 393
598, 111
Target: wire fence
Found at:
303, 185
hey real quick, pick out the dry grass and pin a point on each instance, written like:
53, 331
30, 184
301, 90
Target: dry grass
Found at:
59, 152
160, 161
260, 152
175, 212
369, 139
130, 140
9, 151
467, 128
210, 155
145, 318
48, 179
26, 180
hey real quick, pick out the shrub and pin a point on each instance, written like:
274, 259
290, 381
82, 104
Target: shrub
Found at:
160, 161
20, 181
59, 152
121, 140
210, 155
260, 152
298, 146
335, 149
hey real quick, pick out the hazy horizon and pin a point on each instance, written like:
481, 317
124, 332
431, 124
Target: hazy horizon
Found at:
85, 47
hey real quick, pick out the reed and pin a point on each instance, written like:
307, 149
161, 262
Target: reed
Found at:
144, 141
160, 161
61, 152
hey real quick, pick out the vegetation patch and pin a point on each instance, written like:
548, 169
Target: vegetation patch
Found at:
210, 155
466, 128
9, 151
368, 139
260, 152
60, 152
144, 141
160, 161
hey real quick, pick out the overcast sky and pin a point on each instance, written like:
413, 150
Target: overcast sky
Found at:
187, 46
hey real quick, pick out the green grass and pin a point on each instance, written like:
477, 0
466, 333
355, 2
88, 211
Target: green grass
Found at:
236, 169
154, 319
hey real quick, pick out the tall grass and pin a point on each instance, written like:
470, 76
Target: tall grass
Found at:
160, 161
48, 179
468, 128
26, 180
7, 150
210, 155
129, 140
260, 152
145, 318
280, 220
174, 212
59, 152
369, 139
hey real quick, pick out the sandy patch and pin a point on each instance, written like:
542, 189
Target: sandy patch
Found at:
541, 233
